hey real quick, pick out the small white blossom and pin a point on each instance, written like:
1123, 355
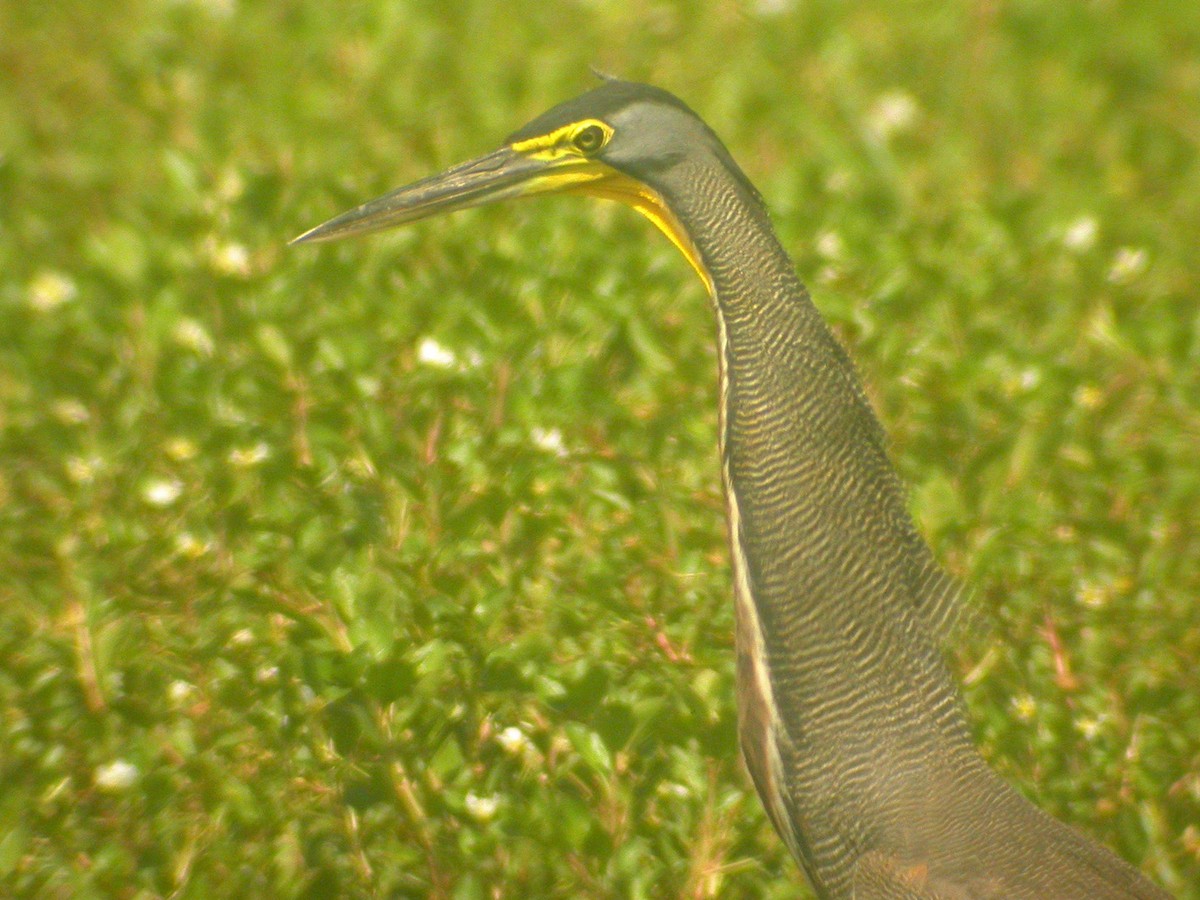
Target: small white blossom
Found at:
50, 290
82, 470
830, 246
180, 692
246, 457
1081, 234
70, 411
548, 439
1092, 595
482, 809
431, 353
180, 449
1128, 264
190, 546
1024, 706
116, 776
231, 185
513, 740
227, 257
1024, 380
1088, 396
893, 113
161, 491
838, 181
191, 335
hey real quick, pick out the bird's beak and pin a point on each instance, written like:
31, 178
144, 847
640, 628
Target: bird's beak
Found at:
499, 175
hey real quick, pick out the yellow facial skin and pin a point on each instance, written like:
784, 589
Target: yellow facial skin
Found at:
560, 161
574, 171
575, 140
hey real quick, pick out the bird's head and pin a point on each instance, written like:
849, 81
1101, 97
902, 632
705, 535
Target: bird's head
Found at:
620, 141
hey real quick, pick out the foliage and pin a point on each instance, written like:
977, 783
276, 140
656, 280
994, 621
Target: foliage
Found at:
397, 568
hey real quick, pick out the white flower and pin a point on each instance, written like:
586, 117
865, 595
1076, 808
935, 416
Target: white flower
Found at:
190, 546
230, 186
1129, 263
482, 809
70, 411
191, 335
893, 113
180, 692
513, 739
161, 491
227, 257
245, 457
548, 439
82, 470
1024, 706
116, 775
1088, 396
233, 259
50, 290
1091, 594
180, 449
838, 181
830, 246
1081, 234
431, 353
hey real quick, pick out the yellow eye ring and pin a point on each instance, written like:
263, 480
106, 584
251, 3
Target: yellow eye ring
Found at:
589, 139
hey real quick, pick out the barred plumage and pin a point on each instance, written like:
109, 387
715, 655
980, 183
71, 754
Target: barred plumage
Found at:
851, 726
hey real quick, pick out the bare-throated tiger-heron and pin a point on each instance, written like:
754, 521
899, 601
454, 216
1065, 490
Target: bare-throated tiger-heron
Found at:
850, 722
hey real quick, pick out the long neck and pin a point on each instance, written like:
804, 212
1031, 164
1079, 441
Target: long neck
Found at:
839, 604
849, 722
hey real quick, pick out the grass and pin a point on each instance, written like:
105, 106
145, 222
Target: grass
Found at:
397, 568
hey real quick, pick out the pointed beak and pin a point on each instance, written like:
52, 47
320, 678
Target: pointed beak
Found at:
499, 175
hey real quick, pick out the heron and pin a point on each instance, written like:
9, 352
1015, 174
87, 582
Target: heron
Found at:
850, 722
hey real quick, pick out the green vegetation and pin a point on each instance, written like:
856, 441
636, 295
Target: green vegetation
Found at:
397, 567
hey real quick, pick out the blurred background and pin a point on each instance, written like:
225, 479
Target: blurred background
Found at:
397, 567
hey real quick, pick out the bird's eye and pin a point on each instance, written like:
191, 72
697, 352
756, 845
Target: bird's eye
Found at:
589, 139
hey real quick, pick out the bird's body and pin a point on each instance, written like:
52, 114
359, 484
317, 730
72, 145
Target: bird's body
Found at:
850, 723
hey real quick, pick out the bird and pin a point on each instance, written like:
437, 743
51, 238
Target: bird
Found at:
850, 722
